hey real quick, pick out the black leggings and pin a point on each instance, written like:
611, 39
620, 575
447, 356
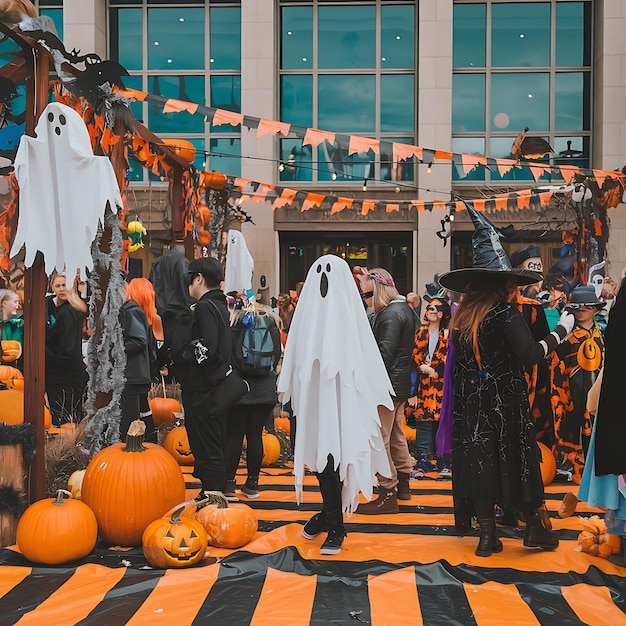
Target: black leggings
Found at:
248, 420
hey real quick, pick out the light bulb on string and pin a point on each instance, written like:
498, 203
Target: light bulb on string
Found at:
334, 175
397, 189
281, 167
365, 185
429, 169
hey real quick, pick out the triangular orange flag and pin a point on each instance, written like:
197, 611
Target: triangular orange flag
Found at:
392, 207
402, 151
443, 155
314, 137
361, 145
176, 106
537, 171
270, 127
341, 204
226, 117
479, 205
505, 166
437, 204
290, 194
367, 206
311, 200
600, 176
545, 197
280, 202
501, 204
523, 202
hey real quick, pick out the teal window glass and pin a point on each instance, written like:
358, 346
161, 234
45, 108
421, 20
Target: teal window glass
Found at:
135, 170
570, 94
572, 150
397, 37
347, 102
468, 145
225, 38
201, 158
500, 148
573, 34
296, 38
57, 18
469, 28
520, 34
134, 82
391, 169
346, 37
175, 39
297, 160
348, 168
397, 102
188, 88
468, 102
296, 104
225, 155
127, 34
524, 98
226, 94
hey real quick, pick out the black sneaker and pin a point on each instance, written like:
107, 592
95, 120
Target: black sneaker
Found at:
334, 541
229, 491
251, 488
314, 526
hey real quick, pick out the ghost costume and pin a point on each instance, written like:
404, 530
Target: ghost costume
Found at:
64, 190
335, 377
239, 264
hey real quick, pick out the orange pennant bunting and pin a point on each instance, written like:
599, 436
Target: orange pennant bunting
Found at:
523, 202
402, 151
367, 206
280, 202
505, 166
133, 94
460, 206
176, 106
443, 155
392, 207
341, 204
545, 197
479, 205
537, 171
600, 176
226, 117
314, 137
270, 127
437, 204
501, 204
362, 145
289, 194
311, 200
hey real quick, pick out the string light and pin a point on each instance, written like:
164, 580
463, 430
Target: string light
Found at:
429, 169
334, 175
281, 167
365, 184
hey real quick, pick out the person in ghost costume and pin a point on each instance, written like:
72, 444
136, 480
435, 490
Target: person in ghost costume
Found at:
64, 190
335, 377
239, 264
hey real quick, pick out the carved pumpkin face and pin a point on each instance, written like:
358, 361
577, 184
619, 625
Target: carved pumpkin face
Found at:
174, 541
177, 444
589, 355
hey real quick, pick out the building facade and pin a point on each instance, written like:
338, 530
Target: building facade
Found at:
461, 76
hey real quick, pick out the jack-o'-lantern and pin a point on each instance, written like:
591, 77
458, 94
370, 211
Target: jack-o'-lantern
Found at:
589, 355
183, 149
228, 525
174, 541
271, 449
177, 444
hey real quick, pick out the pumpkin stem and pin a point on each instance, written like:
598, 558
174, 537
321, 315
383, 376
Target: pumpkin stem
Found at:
213, 497
134, 437
163, 383
175, 517
60, 494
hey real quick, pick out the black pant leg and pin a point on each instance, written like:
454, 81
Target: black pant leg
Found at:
235, 430
129, 404
330, 486
257, 417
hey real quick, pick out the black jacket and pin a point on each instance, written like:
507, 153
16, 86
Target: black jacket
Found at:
138, 343
394, 330
64, 345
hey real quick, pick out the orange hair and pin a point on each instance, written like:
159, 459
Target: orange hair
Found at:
142, 292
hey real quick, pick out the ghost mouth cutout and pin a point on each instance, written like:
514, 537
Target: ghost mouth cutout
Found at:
323, 280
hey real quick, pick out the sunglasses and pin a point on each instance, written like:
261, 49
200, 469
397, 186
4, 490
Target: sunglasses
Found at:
432, 309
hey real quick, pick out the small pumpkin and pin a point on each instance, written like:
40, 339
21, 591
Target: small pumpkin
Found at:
271, 449
163, 410
130, 485
11, 350
55, 530
228, 525
174, 541
177, 444
75, 483
548, 464
409, 433
183, 149
214, 180
282, 423
8, 373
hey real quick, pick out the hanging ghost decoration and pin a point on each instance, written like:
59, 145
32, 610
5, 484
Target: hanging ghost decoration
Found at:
596, 277
239, 264
335, 377
64, 190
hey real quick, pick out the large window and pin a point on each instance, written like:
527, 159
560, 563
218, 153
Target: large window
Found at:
348, 68
188, 51
518, 65
54, 10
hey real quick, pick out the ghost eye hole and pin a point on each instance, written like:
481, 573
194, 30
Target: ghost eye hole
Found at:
319, 269
62, 120
50, 117
328, 267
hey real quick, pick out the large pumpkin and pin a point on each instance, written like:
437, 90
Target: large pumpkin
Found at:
174, 541
271, 449
282, 423
548, 464
228, 525
183, 149
177, 444
55, 531
12, 406
130, 485
163, 410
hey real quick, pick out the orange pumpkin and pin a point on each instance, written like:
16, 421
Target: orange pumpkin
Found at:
204, 237
228, 525
548, 464
11, 350
130, 485
75, 483
183, 149
214, 180
409, 433
55, 531
8, 373
271, 449
163, 410
12, 407
282, 423
177, 444
174, 541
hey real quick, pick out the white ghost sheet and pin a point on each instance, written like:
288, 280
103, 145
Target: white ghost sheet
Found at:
239, 264
335, 377
64, 190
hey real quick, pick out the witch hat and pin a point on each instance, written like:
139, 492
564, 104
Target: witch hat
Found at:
489, 258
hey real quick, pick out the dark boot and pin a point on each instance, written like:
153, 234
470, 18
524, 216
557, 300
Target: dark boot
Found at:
506, 517
404, 489
537, 535
489, 541
387, 502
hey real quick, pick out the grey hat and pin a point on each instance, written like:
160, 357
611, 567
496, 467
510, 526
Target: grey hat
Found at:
585, 295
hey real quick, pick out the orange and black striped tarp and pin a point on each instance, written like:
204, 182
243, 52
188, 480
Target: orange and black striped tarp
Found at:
408, 568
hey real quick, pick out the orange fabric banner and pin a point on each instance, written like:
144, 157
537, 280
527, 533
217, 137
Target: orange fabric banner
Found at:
176, 106
402, 151
226, 117
314, 137
270, 127
361, 145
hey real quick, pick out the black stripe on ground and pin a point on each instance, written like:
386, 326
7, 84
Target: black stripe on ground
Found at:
338, 600
29, 593
550, 608
122, 601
